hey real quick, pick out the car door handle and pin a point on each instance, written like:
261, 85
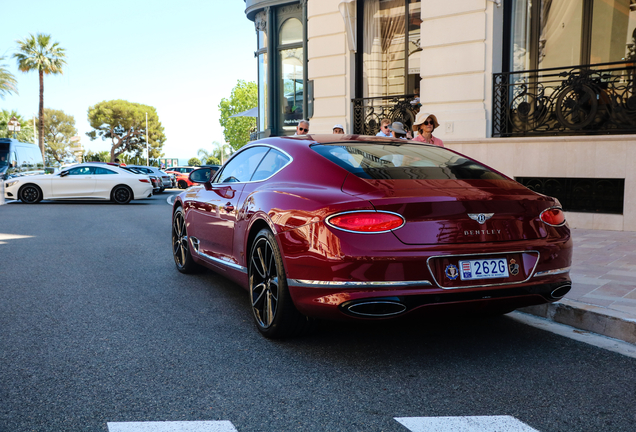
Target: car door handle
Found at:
228, 207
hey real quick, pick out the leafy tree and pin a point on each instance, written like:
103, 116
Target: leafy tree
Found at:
8, 83
237, 130
59, 128
40, 53
26, 126
102, 156
124, 123
137, 160
194, 162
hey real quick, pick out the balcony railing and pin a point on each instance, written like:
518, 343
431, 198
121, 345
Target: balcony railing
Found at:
369, 112
596, 99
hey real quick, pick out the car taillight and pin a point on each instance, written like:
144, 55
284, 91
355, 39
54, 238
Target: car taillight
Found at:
553, 216
366, 221
144, 180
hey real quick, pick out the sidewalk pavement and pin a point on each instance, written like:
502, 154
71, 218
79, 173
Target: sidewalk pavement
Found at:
603, 295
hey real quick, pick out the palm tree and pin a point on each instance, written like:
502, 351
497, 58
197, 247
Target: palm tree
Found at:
219, 152
7, 81
39, 53
205, 156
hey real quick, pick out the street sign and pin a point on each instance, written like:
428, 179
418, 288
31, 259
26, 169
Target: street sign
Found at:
13, 125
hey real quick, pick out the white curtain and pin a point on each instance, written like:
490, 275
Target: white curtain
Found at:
348, 11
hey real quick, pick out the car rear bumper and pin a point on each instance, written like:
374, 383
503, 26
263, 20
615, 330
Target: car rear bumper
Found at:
347, 276
382, 302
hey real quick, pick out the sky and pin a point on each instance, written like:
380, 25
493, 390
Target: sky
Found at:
180, 57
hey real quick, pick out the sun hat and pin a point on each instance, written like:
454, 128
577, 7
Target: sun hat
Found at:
421, 118
338, 126
398, 127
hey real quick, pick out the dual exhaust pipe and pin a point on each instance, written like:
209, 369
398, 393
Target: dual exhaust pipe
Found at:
381, 308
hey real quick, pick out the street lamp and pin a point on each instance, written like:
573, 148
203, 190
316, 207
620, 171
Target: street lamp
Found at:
14, 126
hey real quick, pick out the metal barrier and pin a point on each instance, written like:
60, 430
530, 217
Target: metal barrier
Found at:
369, 112
589, 99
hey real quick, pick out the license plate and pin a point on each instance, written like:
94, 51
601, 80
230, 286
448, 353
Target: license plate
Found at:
483, 269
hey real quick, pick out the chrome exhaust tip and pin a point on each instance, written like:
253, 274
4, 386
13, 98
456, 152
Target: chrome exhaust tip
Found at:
376, 308
560, 291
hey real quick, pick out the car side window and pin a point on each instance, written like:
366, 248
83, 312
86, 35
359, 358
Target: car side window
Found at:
242, 166
273, 162
81, 171
103, 171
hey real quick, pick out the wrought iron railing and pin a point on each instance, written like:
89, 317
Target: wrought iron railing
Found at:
596, 99
369, 112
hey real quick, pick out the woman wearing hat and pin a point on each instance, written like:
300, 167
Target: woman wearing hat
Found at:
424, 125
397, 130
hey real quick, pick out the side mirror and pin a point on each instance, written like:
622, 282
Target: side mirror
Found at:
201, 175
63, 173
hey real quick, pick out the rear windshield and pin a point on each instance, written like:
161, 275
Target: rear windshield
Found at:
404, 161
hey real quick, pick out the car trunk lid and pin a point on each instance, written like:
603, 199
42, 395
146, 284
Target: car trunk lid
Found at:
456, 211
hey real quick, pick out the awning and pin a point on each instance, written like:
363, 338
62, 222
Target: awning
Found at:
252, 112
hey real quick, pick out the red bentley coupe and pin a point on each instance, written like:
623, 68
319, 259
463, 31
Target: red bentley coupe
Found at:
358, 227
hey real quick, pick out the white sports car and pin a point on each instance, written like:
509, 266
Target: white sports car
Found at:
82, 181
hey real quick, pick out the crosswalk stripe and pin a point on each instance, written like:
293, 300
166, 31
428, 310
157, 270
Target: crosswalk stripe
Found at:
178, 426
414, 424
464, 424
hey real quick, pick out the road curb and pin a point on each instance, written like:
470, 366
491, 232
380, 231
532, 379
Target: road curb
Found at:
583, 316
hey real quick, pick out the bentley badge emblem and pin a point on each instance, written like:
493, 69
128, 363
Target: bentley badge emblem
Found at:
480, 217
451, 272
514, 267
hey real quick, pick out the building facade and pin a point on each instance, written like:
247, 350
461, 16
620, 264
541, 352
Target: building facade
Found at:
541, 90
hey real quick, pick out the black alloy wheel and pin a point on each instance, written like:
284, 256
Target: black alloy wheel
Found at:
180, 247
183, 184
272, 307
30, 194
121, 195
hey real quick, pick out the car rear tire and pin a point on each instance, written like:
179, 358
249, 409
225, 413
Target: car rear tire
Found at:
183, 184
30, 194
180, 244
121, 195
273, 310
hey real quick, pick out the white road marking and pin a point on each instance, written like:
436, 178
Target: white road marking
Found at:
614, 345
464, 424
171, 199
11, 237
179, 426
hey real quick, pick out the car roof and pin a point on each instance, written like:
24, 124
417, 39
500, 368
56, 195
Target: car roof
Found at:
108, 165
333, 139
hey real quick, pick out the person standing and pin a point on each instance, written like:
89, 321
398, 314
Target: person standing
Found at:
424, 125
384, 128
302, 128
397, 130
338, 129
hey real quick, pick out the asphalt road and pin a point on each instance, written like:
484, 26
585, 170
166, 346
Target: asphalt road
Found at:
97, 326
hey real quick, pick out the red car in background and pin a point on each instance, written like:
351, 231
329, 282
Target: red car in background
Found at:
181, 174
369, 228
